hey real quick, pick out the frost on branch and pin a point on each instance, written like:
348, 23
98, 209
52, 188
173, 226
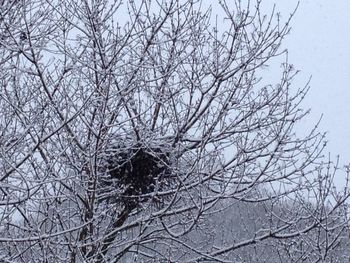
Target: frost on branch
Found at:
127, 126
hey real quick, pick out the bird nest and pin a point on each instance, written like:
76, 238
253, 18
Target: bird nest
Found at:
134, 174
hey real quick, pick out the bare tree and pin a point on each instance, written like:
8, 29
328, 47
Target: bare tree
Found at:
126, 128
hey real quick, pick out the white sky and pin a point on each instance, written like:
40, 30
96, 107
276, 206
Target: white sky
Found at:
319, 46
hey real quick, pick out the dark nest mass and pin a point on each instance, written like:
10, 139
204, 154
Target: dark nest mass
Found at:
135, 173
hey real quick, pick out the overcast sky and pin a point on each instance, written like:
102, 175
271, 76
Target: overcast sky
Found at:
319, 46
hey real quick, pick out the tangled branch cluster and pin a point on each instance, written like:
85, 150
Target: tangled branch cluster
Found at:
137, 172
